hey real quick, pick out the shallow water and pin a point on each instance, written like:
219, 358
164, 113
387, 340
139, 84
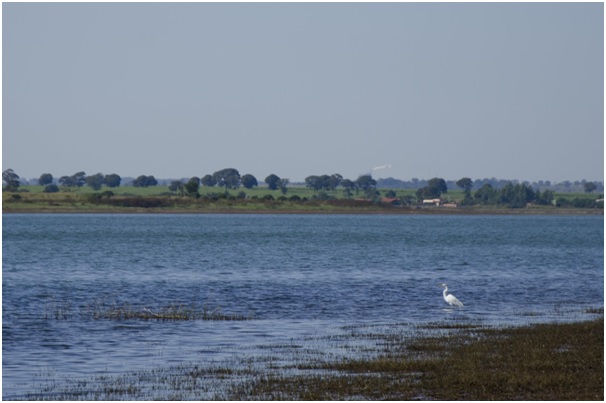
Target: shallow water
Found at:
299, 276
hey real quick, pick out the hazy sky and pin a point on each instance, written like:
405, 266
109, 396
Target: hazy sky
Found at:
512, 91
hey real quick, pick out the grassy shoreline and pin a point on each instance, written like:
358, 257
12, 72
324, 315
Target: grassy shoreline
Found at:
539, 362
442, 361
285, 208
307, 211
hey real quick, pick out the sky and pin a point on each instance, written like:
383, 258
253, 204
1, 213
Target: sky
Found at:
402, 90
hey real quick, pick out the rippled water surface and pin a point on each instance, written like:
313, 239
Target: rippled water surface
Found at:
297, 276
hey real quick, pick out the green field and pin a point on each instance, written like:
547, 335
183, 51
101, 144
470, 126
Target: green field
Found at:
256, 191
301, 191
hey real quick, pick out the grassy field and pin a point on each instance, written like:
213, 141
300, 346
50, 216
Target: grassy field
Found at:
256, 191
452, 194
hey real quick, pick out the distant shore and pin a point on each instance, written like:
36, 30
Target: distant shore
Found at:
362, 211
300, 200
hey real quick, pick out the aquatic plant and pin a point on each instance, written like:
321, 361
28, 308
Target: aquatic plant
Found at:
100, 309
540, 362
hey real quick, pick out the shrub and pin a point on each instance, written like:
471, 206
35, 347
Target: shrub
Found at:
144, 202
583, 202
52, 188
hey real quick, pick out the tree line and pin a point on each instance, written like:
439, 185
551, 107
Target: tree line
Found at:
228, 178
513, 195
564, 186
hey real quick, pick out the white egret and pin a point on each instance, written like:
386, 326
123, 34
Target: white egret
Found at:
451, 299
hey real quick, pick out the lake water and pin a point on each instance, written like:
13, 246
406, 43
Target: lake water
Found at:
297, 276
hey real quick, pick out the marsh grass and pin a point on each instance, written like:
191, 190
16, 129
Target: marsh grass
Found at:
103, 310
541, 362
558, 361
544, 362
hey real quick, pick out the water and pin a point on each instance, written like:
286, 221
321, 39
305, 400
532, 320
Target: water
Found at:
298, 276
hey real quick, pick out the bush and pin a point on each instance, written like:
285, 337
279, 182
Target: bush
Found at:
322, 195
52, 188
583, 203
577, 202
144, 202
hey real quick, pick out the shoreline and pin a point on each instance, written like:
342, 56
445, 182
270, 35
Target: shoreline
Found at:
294, 211
544, 361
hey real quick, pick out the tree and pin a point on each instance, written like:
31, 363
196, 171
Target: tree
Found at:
438, 184
486, 194
589, 187
67, 182
95, 181
52, 188
249, 181
466, 184
112, 180
144, 181
11, 180
348, 187
368, 186
366, 182
79, 179
515, 196
272, 181
334, 181
45, 179
545, 198
228, 177
208, 180
192, 187
427, 192
313, 182
282, 185
177, 186
140, 181
434, 189
151, 181
390, 194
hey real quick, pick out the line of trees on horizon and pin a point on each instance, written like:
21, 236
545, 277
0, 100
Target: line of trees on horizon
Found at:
487, 190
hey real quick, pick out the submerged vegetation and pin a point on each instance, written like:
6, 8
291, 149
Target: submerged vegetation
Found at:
460, 361
101, 309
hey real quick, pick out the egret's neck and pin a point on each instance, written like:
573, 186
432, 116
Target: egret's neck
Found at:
444, 292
